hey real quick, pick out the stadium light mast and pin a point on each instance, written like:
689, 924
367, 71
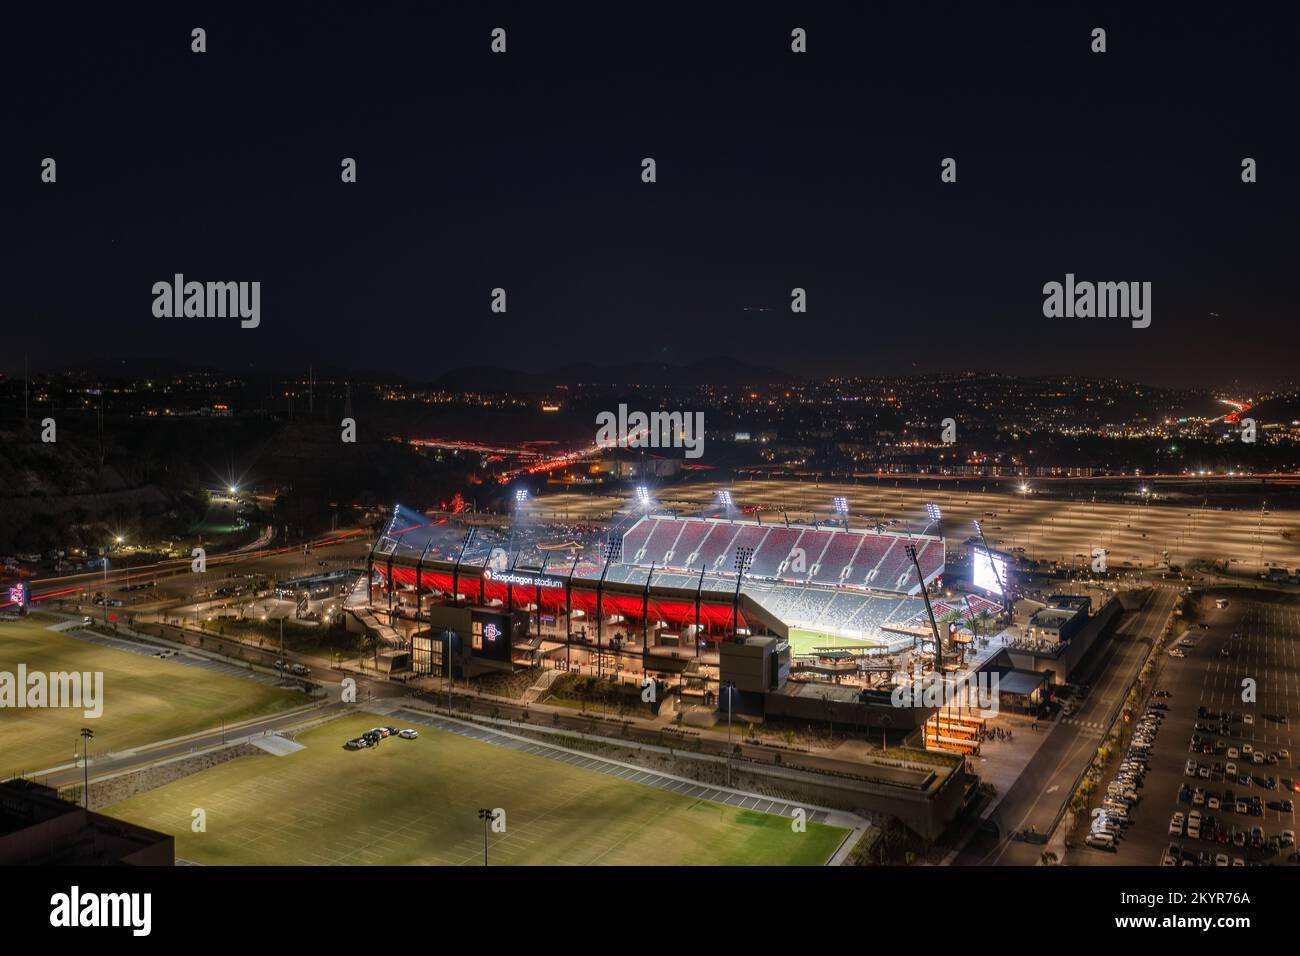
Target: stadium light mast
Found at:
568, 614
600, 610
842, 509
932, 512
455, 568
743, 558
929, 610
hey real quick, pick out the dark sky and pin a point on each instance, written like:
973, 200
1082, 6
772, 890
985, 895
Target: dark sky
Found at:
775, 170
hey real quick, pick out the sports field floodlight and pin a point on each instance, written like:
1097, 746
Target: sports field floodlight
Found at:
842, 504
234, 489
932, 512
978, 529
486, 816
521, 495
724, 496
643, 494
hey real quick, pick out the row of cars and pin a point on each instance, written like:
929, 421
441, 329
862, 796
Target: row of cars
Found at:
1211, 830
1111, 818
372, 737
1236, 768
1229, 801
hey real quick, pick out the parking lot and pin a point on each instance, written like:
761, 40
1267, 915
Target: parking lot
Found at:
1202, 764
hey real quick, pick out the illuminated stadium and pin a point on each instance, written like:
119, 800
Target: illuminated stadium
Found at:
647, 593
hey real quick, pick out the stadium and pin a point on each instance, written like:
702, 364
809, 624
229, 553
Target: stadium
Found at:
729, 612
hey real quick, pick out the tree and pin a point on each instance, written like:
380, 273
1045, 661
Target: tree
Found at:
364, 643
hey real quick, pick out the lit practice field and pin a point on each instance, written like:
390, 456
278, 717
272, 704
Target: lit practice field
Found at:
146, 699
802, 641
417, 802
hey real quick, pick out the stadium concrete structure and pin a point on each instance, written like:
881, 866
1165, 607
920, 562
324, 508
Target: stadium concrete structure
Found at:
703, 607
667, 597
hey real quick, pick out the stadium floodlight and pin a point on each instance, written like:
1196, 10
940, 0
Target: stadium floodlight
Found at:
643, 494
234, 489
724, 496
978, 529
842, 504
521, 495
933, 512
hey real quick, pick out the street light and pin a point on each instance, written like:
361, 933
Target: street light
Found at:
730, 688
485, 815
86, 735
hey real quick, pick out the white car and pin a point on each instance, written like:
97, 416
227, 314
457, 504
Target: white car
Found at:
1257, 757
1191, 768
409, 734
1176, 825
1231, 770
1247, 750
1212, 803
1102, 841
1288, 837
1233, 753
1249, 720
1221, 859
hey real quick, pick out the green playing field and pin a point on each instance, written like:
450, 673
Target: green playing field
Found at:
417, 801
802, 641
145, 698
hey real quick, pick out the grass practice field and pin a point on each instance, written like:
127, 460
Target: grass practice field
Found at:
416, 802
145, 698
802, 641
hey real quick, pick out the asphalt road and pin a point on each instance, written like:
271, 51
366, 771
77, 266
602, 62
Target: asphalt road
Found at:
1047, 782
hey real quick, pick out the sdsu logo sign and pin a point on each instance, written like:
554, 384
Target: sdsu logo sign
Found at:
491, 632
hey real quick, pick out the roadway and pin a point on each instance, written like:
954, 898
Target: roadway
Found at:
1048, 781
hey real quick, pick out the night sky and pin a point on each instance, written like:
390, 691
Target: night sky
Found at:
775, 170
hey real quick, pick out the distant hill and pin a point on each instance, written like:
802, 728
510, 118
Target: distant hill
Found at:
716, 371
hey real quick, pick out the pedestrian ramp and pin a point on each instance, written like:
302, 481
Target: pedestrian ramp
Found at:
276, 745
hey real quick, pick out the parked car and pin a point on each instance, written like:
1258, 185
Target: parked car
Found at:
409, 734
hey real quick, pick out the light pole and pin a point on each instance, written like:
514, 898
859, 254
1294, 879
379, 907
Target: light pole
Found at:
486, 816
86, 735
729, 687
